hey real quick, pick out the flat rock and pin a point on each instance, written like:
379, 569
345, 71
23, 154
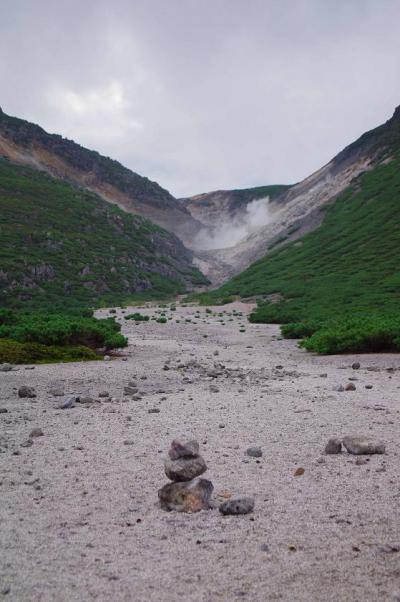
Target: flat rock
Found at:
183, 449
36, 432
184, 469
254, 452
242, 505
6, 367
191, 496
360, 445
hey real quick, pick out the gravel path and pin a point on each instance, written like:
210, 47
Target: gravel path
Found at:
79, 518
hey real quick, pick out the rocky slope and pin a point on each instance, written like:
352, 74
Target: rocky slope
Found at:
28, 144
60, 245
302, 207
221, 206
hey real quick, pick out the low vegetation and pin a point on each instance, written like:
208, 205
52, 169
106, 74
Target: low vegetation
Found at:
347, 269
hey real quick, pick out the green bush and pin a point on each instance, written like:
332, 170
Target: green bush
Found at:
356, 335
14, 352
299, 330
63, 329
162, 320
137, 317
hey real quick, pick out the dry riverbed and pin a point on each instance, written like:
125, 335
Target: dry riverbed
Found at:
79, 514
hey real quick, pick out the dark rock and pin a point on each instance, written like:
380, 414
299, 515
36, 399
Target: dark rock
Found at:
238, 506
254, 452
355, 365
153, 410
334, 446
25, 391
191, 496
3, 410
350, 387
36, 432
6, 367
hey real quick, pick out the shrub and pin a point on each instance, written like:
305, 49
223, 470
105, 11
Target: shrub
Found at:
138, 317
299, 330
356, 335
162, 320
14, 352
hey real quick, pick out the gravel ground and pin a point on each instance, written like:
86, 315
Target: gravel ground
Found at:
79, 518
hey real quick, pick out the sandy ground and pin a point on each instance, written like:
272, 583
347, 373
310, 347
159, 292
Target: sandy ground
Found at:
79, 518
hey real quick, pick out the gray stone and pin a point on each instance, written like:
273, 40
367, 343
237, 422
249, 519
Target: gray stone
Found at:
350, 387
67, 404
183, 449
107, 358
360, 445
184, 469
355, 365
334, 446
130, 390
3, 410
36, 432
153, 410
214, 389
5, 367
57, 392
25, 391
104, 394
242, 505
339, 388
191, 496
254, 452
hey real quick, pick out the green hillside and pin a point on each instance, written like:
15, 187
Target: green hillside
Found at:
347, 267
63, 246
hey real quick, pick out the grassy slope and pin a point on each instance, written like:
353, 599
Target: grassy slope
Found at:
260, 192
349, 264
50, 225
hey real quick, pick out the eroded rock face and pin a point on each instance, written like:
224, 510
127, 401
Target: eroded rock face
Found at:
361, 445
189, 496
184, 469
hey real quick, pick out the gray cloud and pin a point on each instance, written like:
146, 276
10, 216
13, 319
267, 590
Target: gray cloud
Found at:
204, 94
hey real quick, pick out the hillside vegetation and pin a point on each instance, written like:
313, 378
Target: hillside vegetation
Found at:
346, 268
61, 246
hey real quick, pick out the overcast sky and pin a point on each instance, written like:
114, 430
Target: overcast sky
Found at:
204, 94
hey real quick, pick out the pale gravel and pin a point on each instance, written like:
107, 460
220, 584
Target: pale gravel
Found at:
94, 530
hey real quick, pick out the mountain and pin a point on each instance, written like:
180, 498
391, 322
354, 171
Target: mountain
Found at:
63, 245
302, 207
340, 239
28, 144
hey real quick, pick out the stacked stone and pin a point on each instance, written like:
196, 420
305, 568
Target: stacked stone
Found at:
183, 466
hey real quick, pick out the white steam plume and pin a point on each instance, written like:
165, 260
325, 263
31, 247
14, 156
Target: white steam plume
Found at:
228, 234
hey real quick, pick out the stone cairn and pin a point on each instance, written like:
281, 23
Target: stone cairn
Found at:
187, 492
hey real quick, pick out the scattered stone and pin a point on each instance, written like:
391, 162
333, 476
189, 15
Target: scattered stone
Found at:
27, 443
324, 375
166, 367
355, 365
180, 449
130, 390
36, 432
129, 442
237, 506
57, 392
153, 410
216, 352
106, 358
6, 367
3, 410
104, 394
299, 472
184, 469
264, 547
339, 388
350, 387
191, 496
214, 389
368, 386
67, 404
221, 426
25, 391
361, 461
334, 446
254, 452
360, 445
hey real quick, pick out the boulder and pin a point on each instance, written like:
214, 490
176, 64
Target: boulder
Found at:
361, 445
